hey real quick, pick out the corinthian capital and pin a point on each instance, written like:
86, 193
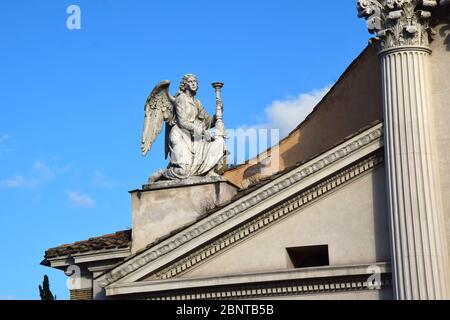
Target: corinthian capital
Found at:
398, 23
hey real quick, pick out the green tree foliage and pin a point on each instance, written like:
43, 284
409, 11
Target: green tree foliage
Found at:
44, 290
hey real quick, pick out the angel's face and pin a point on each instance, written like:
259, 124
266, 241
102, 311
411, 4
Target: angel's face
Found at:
192, 84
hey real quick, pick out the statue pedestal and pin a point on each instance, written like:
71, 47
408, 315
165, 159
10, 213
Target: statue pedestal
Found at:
161, 208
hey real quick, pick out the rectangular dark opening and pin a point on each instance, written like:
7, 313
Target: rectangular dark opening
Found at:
311, 256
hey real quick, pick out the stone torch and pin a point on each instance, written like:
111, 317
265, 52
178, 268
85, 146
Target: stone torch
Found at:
220, 125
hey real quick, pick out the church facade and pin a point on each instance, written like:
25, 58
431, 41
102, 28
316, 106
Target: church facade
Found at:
358, 206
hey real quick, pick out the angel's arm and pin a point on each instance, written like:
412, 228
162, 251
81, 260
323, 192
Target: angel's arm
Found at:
209, 121
182, 118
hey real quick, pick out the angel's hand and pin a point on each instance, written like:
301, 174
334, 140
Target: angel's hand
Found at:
198, 131
207, 136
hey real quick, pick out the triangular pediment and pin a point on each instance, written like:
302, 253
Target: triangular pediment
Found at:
297, 232
256, 218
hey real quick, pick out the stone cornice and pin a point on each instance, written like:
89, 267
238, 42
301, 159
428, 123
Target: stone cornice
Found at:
398, 23
314, 167
301, 288
89, 257
318, 280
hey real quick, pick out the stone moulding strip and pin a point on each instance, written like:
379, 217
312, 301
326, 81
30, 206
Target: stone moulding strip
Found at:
274, 215
90, 256
292, 288
366, 138
149, 289
405, 48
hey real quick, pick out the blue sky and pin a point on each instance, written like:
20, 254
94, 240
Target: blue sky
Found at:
72, 101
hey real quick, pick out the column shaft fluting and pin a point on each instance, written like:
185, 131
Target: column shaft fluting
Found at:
419, 261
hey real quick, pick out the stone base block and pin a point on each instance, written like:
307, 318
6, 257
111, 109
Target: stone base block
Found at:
164, 207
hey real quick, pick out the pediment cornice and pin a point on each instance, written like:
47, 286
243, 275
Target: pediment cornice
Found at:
294, 282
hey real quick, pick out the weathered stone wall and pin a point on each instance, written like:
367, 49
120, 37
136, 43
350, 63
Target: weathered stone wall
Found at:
441, 95
157, 213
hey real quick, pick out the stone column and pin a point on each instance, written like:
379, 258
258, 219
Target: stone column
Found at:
419, 256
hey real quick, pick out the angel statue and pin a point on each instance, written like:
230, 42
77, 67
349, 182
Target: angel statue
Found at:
192, 148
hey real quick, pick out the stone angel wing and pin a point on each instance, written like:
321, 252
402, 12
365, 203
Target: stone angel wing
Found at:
158, 108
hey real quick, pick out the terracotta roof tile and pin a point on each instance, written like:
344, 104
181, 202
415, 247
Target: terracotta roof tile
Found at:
119, 240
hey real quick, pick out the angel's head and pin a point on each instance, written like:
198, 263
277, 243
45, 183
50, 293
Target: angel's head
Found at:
189, 82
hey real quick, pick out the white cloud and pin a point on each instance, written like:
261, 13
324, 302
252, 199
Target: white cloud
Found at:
4, 137
282, 116
39, 173
79, 199
42, 171
18, 182
100, 180
5, 144
287, 114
